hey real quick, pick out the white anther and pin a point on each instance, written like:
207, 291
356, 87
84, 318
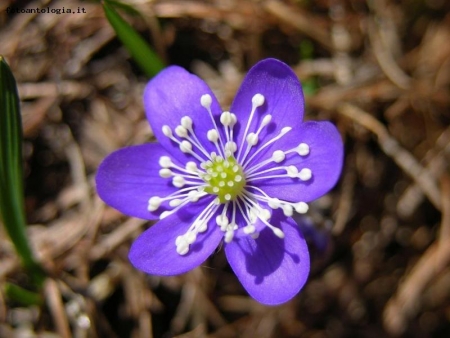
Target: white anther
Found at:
301, 207
230, 183
222, 220
266, 120
191, 166
229, 236
252, 139
181, 131
254, 235
165, 214
183, 248
292, 171
264, 214
165, 162
167, 131
249, 229
233, 120
231, 146
258, 100
303, 149
216, 190
178, 181
226, 118
287, 210
223, 175
194, 195
176, 202
274, 203
285, 130
221, 184
206, 101
227, 197
238, 178
278, 156
185, 146
165, 173
305, 174
154, 203
235, 168
202, 227
213, 135
186, 122
278, 232
190, 237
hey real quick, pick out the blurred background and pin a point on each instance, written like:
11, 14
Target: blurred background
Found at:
380, 241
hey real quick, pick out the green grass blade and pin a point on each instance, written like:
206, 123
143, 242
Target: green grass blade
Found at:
12, 210
141, 52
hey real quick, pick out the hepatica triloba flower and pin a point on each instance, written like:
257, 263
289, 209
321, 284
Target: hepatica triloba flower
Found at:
226, 178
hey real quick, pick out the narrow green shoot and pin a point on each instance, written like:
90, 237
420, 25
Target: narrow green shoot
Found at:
141, 52
12, 209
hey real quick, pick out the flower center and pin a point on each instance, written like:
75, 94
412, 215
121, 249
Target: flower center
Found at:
224, 178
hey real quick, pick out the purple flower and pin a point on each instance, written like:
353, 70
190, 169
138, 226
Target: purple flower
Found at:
233, 177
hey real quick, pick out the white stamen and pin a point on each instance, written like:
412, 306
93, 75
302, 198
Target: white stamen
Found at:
186, 122
231, 146
185, 146
181, 131
165, 173
206, 101
229, 236
278, 232
175, 202
178, 181
301, 207
167, 131
228, 197
252, 139
226, 118
266, 120
249, 229
274, 203
258, 100
165, 162
278, 156
303, 149
213, 135
154, 203
305, 174
190, 237
292, 171
287, 210
191, 166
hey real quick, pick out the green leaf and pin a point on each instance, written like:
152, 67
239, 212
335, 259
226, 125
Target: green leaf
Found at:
12, 210
21, 295
141, 52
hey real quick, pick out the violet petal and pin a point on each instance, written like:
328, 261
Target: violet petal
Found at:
272, 270
173, 94
325, 161
283, 99
154, 251
128, 177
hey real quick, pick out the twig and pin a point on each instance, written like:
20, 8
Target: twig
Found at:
404, 305
56, 306
391, 147
303, 21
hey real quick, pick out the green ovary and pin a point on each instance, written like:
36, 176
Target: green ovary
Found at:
224, 178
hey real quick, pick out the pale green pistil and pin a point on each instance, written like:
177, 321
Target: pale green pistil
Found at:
224, 178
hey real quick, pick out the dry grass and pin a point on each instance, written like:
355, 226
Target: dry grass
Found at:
379, 70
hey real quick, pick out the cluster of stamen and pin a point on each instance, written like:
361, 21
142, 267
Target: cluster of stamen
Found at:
228, 173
